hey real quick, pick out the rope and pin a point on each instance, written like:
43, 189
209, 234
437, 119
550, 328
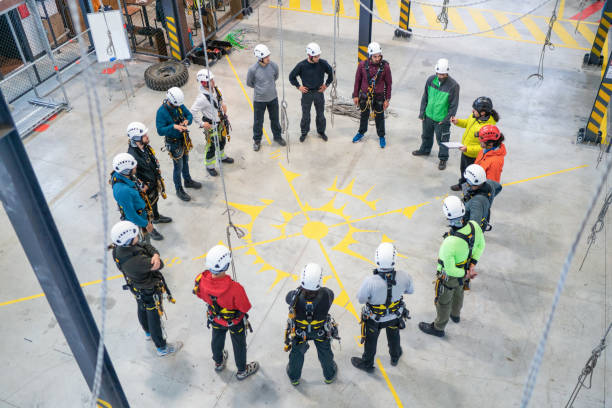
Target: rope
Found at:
284, 117
346, 107
603, 150
539, 354
587, 371
474, 3
215, 136
598, 226
334, 85
443, 16
581, 7
547, 43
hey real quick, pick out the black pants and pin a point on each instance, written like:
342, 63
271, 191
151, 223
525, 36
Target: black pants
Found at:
149, 318
465, 161
259, 108
181, 165
324, 351
319, 102
238, 336
379, 117
442, 131
372, 331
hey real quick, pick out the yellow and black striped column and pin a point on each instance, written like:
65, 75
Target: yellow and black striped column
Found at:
591, 133
365, 29
404, 31
594, 57
176, 28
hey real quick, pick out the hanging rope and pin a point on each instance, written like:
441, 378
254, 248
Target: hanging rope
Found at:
334, 85
474, 3
587, 371
443, 16
215, 137
603, 150
547, 43
284, 118
581, 7
598, 226
539, 354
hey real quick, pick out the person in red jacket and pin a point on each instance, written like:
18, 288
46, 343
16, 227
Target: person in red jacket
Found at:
228, 305
491, 157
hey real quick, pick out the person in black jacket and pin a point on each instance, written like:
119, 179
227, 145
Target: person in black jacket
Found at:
141, 266
312, 72
147, 171
310, 320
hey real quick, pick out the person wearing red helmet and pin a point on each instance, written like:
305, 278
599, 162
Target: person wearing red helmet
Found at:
491, 157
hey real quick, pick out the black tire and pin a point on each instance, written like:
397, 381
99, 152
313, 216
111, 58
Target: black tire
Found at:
164, 75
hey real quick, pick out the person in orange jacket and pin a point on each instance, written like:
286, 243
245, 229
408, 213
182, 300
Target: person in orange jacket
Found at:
491, 157
482, 114
228, 305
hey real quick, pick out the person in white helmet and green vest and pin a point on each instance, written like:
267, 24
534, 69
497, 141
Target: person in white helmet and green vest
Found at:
262, 78
459, 253
438, 105
382, 292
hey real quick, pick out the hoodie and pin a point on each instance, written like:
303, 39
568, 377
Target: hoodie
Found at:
230, 294
492, 162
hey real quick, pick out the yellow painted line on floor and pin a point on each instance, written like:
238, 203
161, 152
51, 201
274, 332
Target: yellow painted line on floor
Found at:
545, 175
316, 5
534, 29
245, 93
566, 37
383, 10
430, 15
388, 381
481, 22
340, 7
586, 32
357, 6
561, 9
509, 29
456, 20
294, 4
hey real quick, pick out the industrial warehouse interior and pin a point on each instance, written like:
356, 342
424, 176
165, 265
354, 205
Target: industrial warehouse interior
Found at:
326, 226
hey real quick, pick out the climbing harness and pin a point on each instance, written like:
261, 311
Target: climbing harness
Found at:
284, 117
161, 185
186, 144
440, 283
370, 96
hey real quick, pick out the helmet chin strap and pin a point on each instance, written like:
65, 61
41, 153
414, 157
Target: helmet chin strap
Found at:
456, 222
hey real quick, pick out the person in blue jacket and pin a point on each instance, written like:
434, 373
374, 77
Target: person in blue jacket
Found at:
125, 190
171, 121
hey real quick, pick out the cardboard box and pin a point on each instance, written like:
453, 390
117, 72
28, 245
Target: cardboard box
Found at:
55, 23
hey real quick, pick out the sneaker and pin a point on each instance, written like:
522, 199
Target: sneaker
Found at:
383, 142
419, 153
456, 187
228, 160
281, 141
303, 136
212, 172
442, 165
430, 329
155, 235
182, 194
395, 360
170, 348
256, 146
251, 368
357, 137
358, 363
331, 380
455, 319
293, 382
147, 336
162, 219
220, 367
193, 184
323, 136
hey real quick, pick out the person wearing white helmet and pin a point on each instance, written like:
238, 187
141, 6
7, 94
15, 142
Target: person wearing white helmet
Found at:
438, 105
148, 171
372, 92
312, 72
478, 195
141, 267
382, 293
171, 121
228, 305
309, 320
262, 77
126, 192
209, 112
461, 249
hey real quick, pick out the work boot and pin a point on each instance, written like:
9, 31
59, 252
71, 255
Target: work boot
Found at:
331, 380
358, 363
220, 367
357, 137
162, 219
442, 165
383, 142
228, 160
323, 136
155, 235
170, 348
212, 172
193, 184
455, 319
419, 153
182, 194
303, 136
293, 382
281, 141
456, 187
395, 360
256, 146
251, 368
430, 329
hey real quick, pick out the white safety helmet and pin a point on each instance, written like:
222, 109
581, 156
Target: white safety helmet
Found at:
218, 259
475, 174
313, 49
261, 51
385, 256
205, 75
453, 207
135, 131
442, 66
175, 96
312, 276
124, 163
374, 48
123, 233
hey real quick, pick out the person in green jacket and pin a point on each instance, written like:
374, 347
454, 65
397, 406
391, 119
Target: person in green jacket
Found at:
482, 114
462, 247
438, 105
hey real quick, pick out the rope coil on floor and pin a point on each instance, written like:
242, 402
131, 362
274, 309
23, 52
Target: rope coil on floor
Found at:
284, 117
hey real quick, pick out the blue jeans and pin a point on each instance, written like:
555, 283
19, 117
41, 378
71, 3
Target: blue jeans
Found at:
259, 109
180, 159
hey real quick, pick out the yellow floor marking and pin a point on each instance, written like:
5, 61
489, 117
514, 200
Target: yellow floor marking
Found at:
340, 7
290, 176
356, 3
430, 15
456, 20
245, 92
586, 32
383, 10
479, 19
545, 175
316, 5
388, 381
564, 35
509, 29
294, 4
343, 294
561, 9
534, 29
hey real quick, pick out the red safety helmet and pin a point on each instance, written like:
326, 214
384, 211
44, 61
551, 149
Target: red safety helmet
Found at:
489, 133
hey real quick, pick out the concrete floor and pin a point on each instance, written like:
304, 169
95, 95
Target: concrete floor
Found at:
361, 195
